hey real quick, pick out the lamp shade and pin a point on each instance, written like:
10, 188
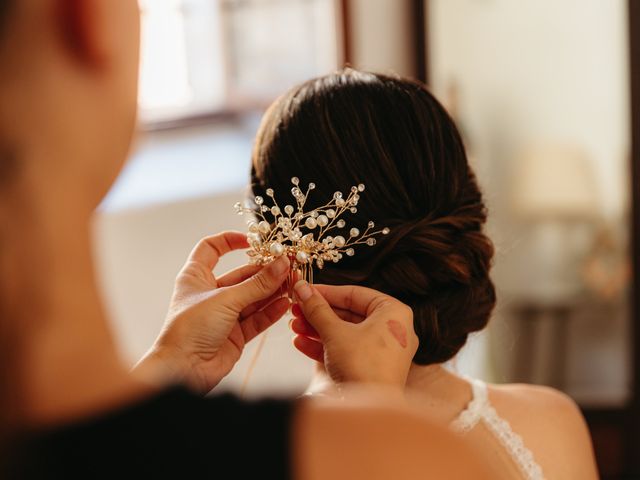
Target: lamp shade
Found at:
554, 182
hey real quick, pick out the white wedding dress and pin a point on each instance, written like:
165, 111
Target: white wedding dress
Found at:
479, 418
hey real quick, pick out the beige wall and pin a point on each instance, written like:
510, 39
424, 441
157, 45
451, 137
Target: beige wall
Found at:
543, 72
381, 35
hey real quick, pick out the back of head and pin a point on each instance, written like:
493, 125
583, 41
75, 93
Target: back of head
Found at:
392, 135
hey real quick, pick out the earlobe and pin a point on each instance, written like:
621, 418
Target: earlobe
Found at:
83, 30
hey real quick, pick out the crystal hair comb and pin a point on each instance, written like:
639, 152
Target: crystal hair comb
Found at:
284, 236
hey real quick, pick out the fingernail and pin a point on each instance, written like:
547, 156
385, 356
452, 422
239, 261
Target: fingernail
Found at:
281, 265
303, 290
296, 310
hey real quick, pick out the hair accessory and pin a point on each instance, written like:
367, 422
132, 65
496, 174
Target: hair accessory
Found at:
305, 250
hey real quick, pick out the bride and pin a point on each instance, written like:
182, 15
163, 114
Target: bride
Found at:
394, 136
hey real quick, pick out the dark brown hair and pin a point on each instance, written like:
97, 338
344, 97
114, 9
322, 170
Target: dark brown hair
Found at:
392, 135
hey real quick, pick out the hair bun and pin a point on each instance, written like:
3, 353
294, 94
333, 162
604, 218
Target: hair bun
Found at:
393, 135
441, 269
450, 249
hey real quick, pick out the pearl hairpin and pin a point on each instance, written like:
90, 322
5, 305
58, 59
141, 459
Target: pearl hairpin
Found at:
284, 236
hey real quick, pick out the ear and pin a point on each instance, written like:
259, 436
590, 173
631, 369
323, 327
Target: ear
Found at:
85, 29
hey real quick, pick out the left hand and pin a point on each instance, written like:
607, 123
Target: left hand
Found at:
359, 334
211, 319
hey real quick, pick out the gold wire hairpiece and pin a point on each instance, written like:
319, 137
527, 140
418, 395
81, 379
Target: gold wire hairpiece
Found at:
284, 237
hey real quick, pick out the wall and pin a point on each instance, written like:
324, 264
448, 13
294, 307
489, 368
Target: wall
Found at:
537, 71
179, 187
542, 72
381, 36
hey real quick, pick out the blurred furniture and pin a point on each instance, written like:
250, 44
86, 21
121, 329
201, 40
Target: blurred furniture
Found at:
554, 197
541, 356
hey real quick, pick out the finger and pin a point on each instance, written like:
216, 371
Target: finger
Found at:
209, 250
348, 315
254, 307
358, 300
312, 349
345, 315
238, 275
316, 309
296, 311
259, 287
257, 323
301, 327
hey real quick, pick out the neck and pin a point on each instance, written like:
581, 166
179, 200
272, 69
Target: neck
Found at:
433, 387
71, 365
428, 377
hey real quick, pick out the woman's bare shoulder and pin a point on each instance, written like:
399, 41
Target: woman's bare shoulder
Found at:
551, 425
519, 396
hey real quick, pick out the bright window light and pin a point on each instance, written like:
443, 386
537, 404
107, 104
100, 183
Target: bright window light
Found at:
206, 56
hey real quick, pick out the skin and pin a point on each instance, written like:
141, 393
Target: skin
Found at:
68, 97
398, 331
549, 421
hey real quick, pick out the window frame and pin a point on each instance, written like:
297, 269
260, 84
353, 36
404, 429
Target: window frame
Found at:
231, 113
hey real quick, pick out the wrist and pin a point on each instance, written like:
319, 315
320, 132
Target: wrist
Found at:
162, 365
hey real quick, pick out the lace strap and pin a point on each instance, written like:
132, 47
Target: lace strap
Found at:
474, 412
513, 443
480, 409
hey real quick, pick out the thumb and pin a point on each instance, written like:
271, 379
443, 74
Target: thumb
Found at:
261, 286
315, 308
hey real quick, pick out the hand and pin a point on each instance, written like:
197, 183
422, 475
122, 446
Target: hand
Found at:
211, 319
360, 335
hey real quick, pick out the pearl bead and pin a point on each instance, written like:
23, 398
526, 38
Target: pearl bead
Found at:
323, 221
331, 213
302, 257
254, 238
311, 223
339, 241
354, 232
276, 249
340, 202
264, 227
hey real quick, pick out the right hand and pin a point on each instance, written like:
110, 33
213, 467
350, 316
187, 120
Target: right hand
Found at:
212, 318
372, 341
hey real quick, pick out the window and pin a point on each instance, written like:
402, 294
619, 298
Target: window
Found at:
205, 56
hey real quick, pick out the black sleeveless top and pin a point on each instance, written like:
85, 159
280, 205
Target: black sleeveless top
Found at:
174, 434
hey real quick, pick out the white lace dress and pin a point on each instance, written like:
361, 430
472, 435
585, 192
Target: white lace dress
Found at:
481, 410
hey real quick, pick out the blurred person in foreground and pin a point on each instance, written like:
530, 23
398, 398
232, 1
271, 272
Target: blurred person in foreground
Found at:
69, 407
